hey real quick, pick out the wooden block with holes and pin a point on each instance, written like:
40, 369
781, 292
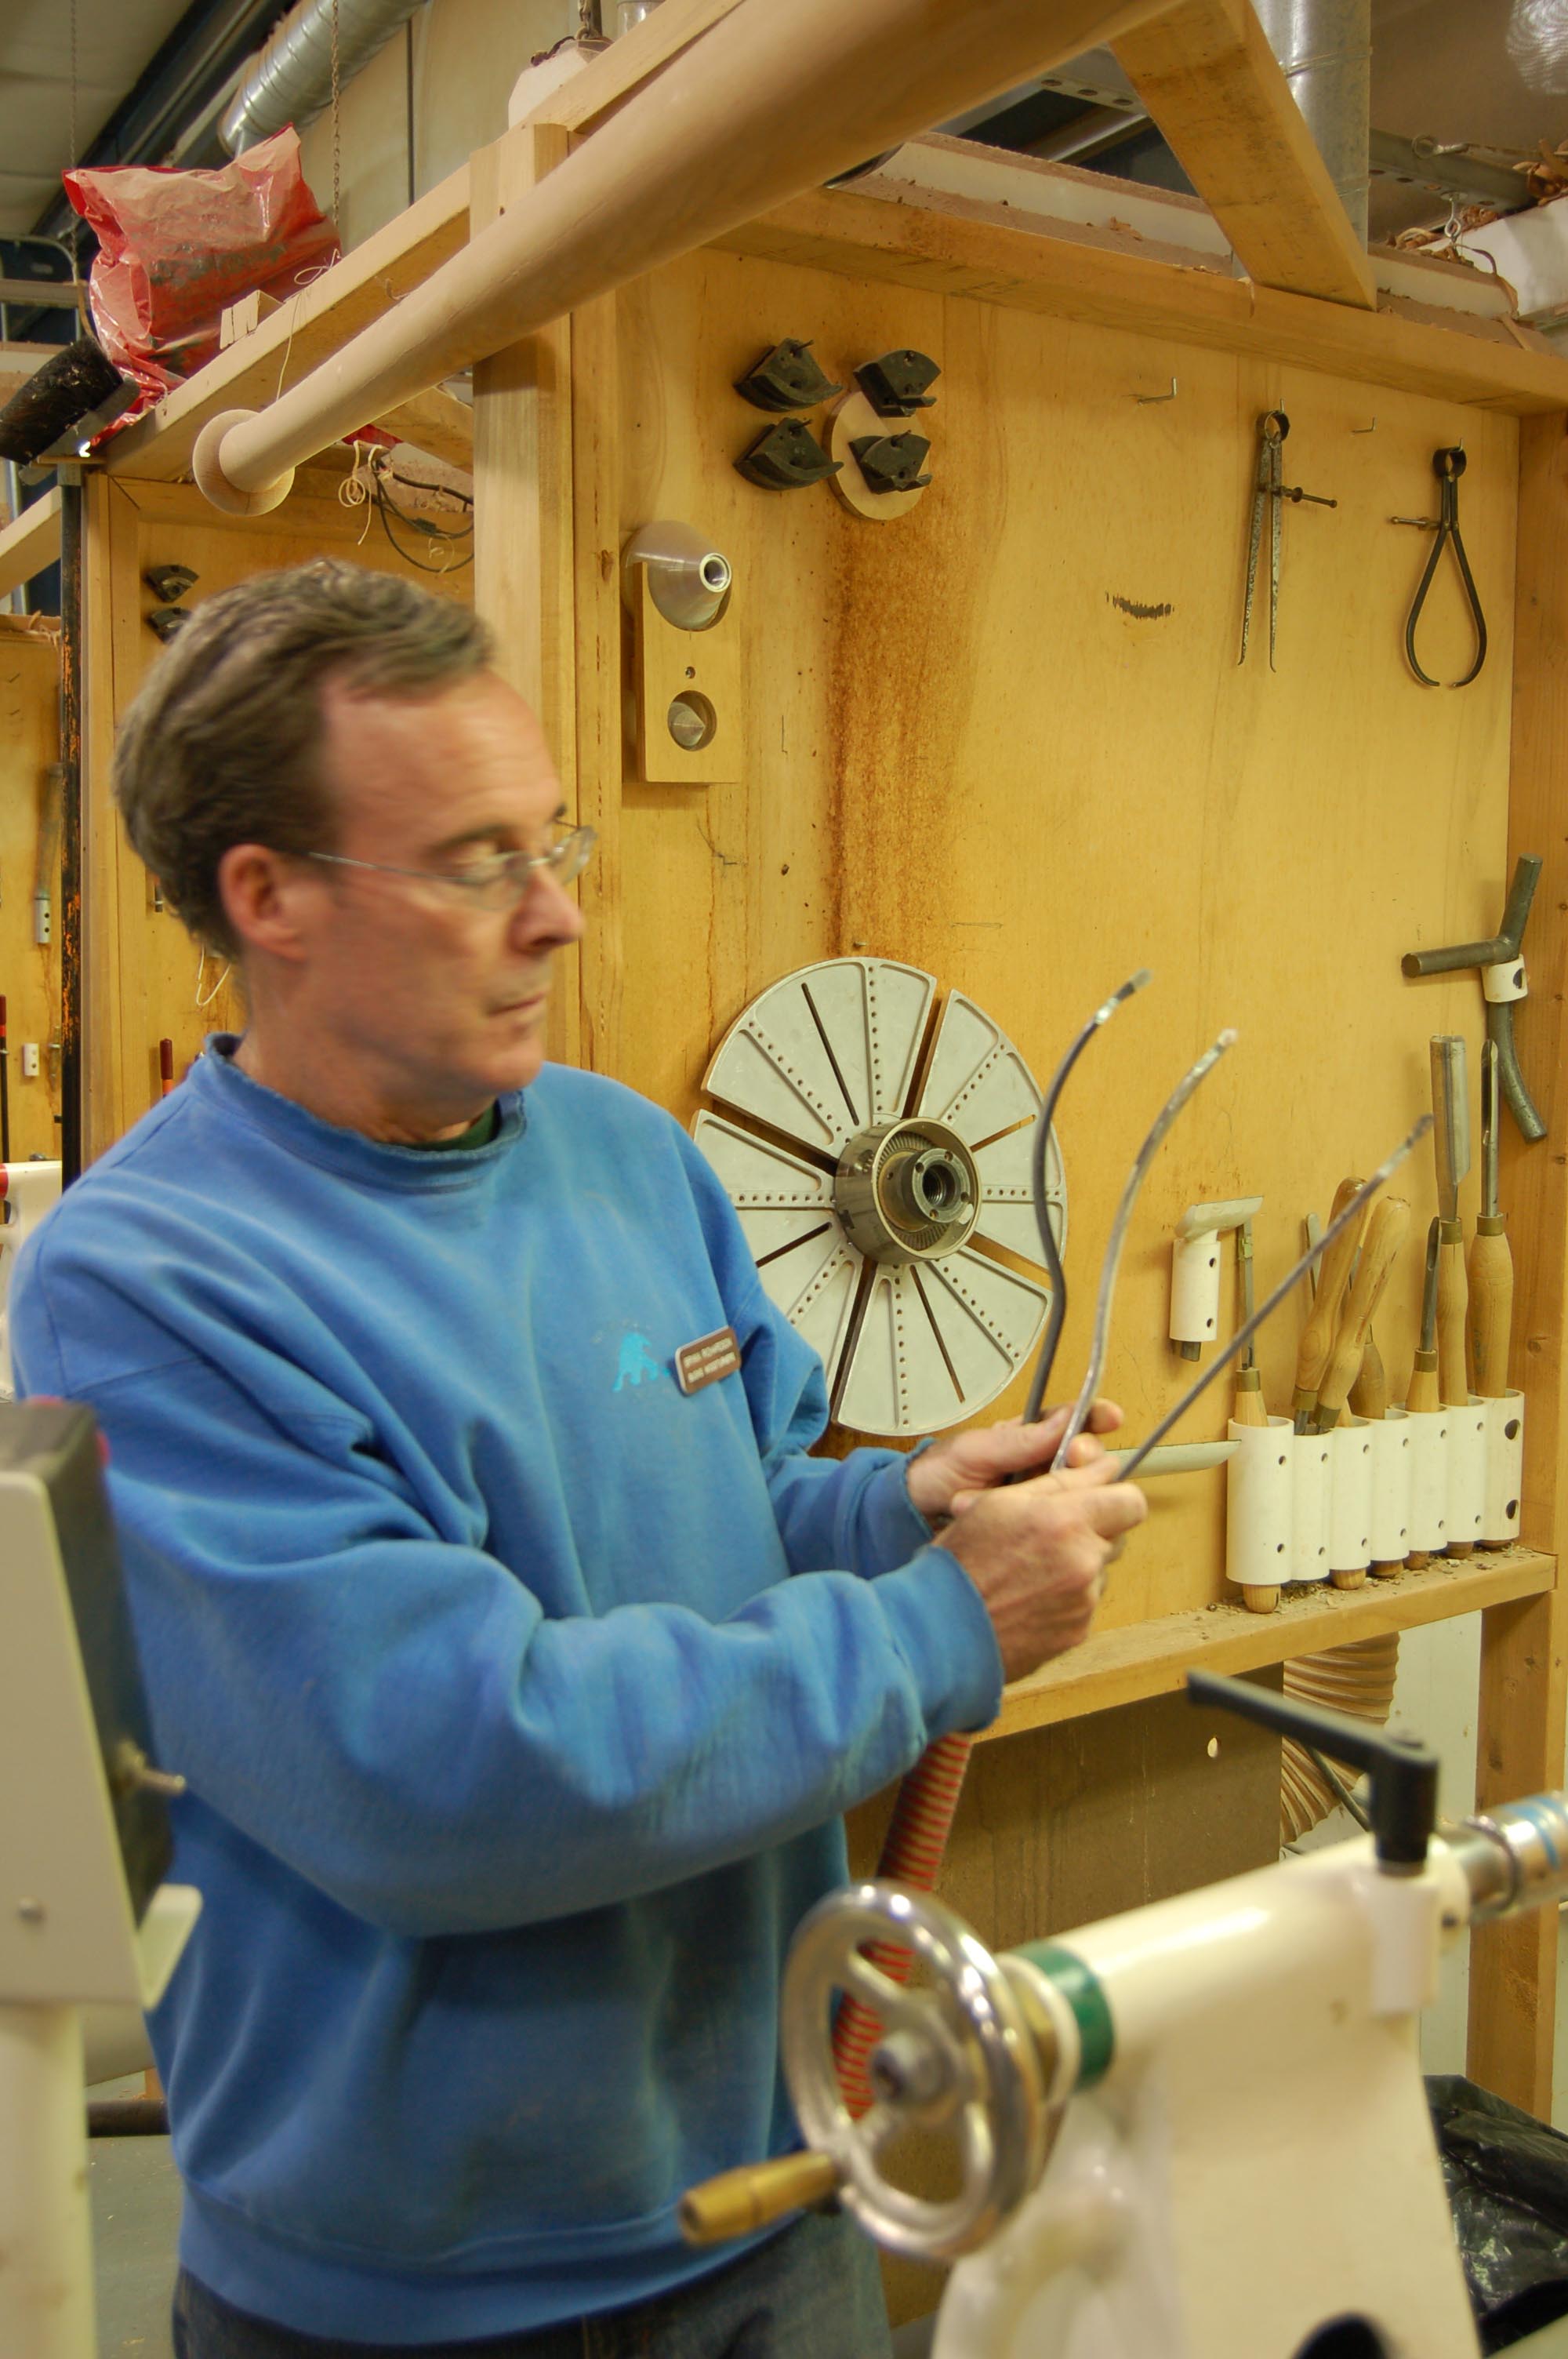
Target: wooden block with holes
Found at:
687, 693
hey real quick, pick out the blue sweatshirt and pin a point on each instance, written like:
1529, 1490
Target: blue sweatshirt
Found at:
519, 1693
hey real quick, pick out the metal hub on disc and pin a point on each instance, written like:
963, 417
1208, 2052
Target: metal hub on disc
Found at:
907, 1190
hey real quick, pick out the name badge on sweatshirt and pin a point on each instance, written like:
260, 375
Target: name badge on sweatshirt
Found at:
709, 1359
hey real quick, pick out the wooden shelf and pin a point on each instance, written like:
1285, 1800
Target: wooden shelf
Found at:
1150, 1659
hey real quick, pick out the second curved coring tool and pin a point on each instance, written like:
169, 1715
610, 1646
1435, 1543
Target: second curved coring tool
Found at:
1108, 1267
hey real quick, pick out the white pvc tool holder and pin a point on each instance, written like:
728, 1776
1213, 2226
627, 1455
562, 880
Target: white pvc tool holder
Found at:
1390, 1537
1466, 1471
1194, 1266
1350, 1496
1302, 1506
1312, 1506
1429, 1480
1259, 1492
1504, 1479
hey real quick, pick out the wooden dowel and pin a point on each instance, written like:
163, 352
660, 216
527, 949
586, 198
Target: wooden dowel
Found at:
770, 100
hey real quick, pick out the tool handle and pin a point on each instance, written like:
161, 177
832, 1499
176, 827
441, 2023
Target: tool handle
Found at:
1423, 1398
738, 2202
1370, 1393
1249, 1407
1491, 1277
1452, 1306
1386, 1235
1316, 1347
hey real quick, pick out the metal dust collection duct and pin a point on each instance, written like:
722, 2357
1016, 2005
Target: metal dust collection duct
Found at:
1325, 49
290, 79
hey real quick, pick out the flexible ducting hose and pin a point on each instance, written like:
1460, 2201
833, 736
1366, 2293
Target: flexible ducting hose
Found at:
1359, 1679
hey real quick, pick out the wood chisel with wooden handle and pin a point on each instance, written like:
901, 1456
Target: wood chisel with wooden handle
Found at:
1451, 1147
1250, 1407
1491, 1261
1370, 1393
1386, 1235
1422, 1399
1316, 1346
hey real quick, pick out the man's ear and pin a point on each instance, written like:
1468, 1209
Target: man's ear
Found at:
263, 893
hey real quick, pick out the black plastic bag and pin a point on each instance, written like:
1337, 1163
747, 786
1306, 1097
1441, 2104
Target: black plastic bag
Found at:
1507, 2176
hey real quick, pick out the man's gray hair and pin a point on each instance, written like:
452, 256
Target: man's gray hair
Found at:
223, 745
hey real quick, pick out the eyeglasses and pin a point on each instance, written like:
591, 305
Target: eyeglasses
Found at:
498, 883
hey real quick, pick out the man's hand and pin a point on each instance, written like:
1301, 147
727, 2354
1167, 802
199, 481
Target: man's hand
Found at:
1037, 1553
944, 1479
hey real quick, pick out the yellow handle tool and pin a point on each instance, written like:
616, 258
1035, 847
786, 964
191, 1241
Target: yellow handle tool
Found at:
1386, 1235
1370, 1393
1316, 1347
738, 2202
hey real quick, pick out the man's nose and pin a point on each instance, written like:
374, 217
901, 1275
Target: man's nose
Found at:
547, 915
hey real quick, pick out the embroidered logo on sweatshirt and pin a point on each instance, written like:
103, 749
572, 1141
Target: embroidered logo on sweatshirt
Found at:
637, 1361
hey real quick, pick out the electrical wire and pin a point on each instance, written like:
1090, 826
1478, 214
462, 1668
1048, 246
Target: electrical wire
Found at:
435, 535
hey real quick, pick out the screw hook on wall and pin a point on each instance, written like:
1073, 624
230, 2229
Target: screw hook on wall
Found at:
1145, 400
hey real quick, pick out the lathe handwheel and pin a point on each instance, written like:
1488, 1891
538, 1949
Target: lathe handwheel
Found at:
962, 2047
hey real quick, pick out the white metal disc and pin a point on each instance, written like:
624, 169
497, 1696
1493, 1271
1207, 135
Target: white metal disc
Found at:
827, 1050
833, 1049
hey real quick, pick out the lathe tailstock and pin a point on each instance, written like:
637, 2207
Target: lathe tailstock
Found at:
1199, 2128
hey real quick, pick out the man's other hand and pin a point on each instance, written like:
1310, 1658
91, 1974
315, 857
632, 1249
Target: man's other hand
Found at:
1037, 1551
944, 1479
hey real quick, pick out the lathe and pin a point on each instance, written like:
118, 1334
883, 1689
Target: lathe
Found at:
1195, 2131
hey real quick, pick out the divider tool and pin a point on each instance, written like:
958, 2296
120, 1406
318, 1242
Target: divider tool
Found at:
1270, 491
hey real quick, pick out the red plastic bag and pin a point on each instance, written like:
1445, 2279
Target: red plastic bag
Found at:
175, 249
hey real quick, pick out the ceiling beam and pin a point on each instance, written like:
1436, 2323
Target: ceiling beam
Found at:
1206, 75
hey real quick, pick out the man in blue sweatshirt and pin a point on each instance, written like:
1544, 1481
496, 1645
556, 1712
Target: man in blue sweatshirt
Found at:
519, 1692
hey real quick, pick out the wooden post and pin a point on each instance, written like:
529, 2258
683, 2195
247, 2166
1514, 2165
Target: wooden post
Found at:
1524, 1656
547, 578
523, 512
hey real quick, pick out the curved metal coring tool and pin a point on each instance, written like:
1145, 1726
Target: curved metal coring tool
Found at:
1053, 1260
1244, 1334
1447, 465
1500, 965
1110, 1266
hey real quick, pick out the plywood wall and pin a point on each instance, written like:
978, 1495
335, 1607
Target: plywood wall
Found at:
146, 980
1007, 738
29, 974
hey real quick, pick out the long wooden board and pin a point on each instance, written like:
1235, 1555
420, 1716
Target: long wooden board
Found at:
301, 333
949, 249
1153, 1658
1206, 75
